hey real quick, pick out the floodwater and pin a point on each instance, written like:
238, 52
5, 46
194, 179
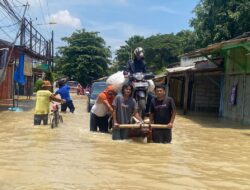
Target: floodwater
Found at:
205, 154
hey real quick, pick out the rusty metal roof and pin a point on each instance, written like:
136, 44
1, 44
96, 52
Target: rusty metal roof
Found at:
18, 49
215, 47
179, 69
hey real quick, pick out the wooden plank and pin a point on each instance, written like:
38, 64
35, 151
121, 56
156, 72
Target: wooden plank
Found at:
159, 126
130, 126
137, 126
186, 94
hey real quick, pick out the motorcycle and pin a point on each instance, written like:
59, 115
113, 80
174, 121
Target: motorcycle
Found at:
141, 86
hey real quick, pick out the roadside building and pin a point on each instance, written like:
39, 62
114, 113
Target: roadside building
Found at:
214, 79
7, 76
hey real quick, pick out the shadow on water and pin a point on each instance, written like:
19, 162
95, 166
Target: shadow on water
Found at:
246, 134
212, 120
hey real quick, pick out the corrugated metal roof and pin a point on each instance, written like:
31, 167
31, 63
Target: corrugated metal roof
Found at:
4, 43
194, 68
179, 69
215, 47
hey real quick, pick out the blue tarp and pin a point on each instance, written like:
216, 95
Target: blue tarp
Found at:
19, 74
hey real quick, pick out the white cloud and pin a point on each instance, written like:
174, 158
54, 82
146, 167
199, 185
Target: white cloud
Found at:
163, 9
63, 17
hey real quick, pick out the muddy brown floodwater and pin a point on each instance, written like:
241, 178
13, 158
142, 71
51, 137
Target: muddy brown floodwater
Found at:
205, 153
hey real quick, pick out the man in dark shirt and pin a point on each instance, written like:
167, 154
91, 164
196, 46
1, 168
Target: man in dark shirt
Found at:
137, 65
162, 111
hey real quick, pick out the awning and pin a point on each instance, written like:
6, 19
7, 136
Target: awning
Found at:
179, 69
210, 67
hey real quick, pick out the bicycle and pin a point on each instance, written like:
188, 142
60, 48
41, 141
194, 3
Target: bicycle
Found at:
56, 117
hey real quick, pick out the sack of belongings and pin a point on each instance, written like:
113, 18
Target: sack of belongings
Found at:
151, 87
117, 80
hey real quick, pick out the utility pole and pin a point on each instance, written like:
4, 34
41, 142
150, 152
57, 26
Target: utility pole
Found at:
22, 28
52, 49
22, 33
30, 33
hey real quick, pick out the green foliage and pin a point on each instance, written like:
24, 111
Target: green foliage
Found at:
187, 40
161, 50
38, 85
84, 59
218, 20
49, 76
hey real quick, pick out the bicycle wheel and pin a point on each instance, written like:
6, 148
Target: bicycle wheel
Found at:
61, 118
53, 123
57, 118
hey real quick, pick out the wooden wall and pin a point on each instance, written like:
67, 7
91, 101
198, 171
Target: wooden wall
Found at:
6, 85
241, 110
175, 91
206, 94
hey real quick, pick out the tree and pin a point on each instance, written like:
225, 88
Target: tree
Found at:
161, 50
187, 40
84, 58
218, 20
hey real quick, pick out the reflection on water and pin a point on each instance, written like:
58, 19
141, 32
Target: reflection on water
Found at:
204, 154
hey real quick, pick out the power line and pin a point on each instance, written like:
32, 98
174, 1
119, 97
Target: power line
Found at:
48, 11
48, 7
14, 8
6, 34
9, 25
43, 15
5, 17
18, 2
9, 10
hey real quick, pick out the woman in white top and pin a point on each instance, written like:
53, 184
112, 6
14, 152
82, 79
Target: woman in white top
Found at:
99, 113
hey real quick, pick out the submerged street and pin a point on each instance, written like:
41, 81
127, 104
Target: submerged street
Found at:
205, 153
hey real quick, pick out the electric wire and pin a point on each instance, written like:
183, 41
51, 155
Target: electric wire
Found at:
43, 15
10, 18
9, 25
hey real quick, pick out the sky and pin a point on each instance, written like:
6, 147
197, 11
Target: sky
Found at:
116, 20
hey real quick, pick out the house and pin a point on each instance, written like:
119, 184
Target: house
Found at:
7, 72
214, 79
196, 86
